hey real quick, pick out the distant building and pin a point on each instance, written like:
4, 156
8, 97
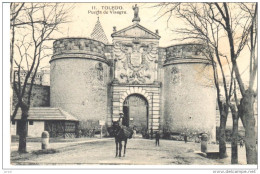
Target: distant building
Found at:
41, 87
42, 77
45, 79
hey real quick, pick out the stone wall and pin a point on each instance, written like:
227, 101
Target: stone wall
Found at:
189, 93
136, 55
45, 78
150, 92
136, 62
79, 79
40, 96
34, 130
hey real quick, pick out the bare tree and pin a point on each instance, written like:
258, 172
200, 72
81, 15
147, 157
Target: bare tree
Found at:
15, 9
208, 23
249, 34
35, 23
203, 29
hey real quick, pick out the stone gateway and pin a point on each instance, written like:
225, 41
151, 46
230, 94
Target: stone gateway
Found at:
157, 88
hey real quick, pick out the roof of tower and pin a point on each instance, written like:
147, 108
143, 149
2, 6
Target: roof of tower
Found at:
98, 33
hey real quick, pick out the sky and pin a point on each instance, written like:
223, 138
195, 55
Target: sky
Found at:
83, 18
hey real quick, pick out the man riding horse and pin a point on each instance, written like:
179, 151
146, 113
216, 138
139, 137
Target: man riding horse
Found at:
121, 133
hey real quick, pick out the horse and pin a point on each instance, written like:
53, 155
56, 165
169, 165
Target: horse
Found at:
121, 133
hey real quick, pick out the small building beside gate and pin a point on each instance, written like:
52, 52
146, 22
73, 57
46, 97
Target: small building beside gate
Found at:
54, 120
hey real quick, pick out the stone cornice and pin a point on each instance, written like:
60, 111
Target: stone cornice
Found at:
186, 61
78, 56
78, 38
136, 85
117, 33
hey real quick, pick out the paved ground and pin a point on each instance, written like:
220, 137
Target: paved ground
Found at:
102, 151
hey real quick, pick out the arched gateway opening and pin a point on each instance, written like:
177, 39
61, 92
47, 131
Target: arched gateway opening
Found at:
135, 110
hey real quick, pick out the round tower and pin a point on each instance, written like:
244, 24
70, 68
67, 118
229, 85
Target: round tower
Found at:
78, 79
189, 91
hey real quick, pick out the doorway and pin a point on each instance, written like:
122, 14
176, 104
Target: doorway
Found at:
135, 110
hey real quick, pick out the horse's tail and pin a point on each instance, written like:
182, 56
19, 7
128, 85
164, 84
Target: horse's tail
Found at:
131, 136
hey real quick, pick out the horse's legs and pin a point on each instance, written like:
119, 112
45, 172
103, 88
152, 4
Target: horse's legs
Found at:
120, 148
116, 148
125, 146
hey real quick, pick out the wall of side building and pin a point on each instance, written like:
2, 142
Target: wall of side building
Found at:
35, 129
40, 96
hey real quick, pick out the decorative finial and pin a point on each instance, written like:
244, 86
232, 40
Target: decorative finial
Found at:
114, 28
136, 11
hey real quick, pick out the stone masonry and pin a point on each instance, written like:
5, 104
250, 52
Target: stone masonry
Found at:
93, 80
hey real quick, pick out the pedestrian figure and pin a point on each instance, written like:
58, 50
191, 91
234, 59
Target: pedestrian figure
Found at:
241, 143
121, 117
151, 133
134, 129
93, 132
185, 138
157, 138
134, 133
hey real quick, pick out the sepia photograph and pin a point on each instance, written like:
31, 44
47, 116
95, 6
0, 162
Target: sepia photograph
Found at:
127, 85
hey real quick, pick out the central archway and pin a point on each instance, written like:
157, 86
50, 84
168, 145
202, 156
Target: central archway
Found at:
135, 108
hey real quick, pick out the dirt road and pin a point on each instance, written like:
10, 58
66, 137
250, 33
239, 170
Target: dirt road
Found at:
139, 152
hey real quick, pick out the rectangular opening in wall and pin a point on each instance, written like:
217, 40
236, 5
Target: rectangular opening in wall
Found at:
13, 122
30, 122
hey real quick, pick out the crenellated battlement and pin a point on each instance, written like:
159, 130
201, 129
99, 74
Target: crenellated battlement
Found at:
79, 48
186, 53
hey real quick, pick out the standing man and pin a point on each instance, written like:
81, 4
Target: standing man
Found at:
134, 130
121, 117
185, 138
241, 143
157, 138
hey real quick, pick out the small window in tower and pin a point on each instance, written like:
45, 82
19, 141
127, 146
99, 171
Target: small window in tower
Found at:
13, 122
30, 122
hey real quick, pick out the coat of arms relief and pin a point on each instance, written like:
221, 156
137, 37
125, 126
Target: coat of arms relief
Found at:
136, 62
